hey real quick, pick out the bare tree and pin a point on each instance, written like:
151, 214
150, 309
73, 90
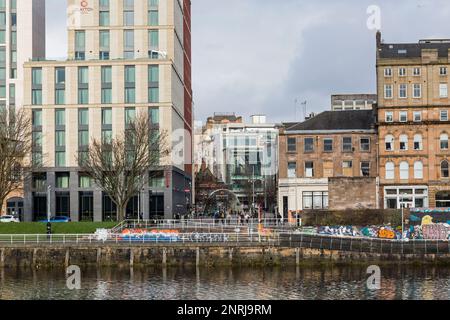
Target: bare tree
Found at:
119, 166
15, 146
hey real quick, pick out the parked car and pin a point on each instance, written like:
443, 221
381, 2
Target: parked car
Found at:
8, 219
57, 219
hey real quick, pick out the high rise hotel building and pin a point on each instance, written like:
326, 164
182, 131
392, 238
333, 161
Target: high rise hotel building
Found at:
125, 57
22, 38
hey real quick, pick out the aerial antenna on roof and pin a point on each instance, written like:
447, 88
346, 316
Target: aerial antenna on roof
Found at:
304, 103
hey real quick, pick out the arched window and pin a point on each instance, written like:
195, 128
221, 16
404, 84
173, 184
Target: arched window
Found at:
389, 141
444, 169
403, 142
418, 142
390, 170
404, 170
444, 141
418, 170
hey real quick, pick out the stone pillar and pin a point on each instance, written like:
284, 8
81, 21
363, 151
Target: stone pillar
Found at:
145, 203
74, 199
98, 216
51, 181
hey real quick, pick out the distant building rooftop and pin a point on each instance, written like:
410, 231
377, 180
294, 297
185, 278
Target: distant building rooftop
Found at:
329, 120
411, 50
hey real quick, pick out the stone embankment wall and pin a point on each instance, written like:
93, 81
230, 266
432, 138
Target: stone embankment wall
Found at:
194, 255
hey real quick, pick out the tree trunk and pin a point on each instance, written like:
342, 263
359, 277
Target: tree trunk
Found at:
121, 212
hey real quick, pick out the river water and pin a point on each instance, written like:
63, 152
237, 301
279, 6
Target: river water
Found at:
303, 283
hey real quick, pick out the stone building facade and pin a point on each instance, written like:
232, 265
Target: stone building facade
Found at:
413, 123
331, 144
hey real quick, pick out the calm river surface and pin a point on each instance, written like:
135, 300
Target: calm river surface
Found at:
235, 284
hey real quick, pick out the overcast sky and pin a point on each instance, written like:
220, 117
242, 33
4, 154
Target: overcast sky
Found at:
259, 56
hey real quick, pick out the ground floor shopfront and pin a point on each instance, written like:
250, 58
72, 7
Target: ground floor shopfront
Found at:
416, 196
295, 195
69, 193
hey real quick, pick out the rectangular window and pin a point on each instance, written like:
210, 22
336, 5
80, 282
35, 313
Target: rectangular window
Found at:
402, 72
36, 97
347, 144
365, 168
60, 96
60, 158
388, 91
291, 144
36, 76
83, 96
130, 115
417, 90
347, 168
107, 116
403, 116
128, 44
60, 117
128, 18
417, 116
365, 144
104, 18
309, 145
328, 145
443, 90
309, 169
292, 170
443, 71
153, 39
443, 115
153, 18
416, 71
60, 76
154, 116
388, 72
389, 116
37, 118
83, 117
62, 180
403, 91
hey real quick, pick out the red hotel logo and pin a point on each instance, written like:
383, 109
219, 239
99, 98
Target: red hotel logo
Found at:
85, 7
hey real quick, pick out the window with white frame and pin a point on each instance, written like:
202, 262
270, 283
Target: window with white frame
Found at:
388, 91
417, 90
403, 116
388, 72
417, 116
403, 142
389, 116
389, 142
443, 71
418, 144
309, 169
292, 170
443, 139
402, 72
390, 171
418, 170
365, 144
443, 90
365, 168
416, 71
444, 169
443, 115
404, 170
403, 91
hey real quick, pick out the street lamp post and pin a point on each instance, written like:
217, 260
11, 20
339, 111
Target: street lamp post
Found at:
49, 212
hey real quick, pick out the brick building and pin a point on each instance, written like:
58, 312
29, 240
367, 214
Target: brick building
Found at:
413, 122
329, 145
